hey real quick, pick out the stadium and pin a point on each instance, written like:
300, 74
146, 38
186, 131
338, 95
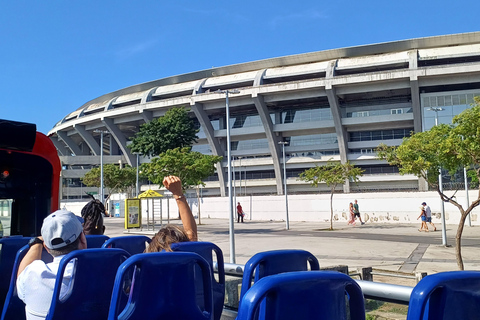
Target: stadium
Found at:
314, 107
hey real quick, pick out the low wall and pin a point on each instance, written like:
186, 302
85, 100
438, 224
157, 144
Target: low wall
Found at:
388, 207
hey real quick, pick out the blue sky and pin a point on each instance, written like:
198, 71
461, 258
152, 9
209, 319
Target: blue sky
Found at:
57, 55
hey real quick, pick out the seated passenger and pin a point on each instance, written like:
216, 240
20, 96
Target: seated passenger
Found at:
62, 233
171, 233
92, 214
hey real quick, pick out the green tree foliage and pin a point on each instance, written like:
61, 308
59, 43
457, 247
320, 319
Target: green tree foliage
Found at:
332, 174
451, 147
116, 179
190, 166
174, 130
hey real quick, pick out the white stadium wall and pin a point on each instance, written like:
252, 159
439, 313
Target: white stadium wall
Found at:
382, 207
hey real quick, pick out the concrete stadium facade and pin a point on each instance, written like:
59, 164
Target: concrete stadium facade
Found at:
328, 105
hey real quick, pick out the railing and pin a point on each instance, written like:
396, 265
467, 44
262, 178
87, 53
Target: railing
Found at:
371, 290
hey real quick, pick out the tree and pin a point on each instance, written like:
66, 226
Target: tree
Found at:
451, 147
174, 130
190, 166
116, 179
333, 174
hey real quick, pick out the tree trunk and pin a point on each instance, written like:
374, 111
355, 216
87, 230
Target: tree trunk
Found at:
458, 241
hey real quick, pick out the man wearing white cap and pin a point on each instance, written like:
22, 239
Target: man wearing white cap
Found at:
62, 233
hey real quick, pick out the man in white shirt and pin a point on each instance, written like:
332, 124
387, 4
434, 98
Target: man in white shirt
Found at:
428, 213
62, 233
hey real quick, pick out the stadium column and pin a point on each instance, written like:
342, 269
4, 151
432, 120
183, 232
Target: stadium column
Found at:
337, 117
146, 115
70, 143
88, 138
120, 139
268, 127
213, 142
61, 147
416, 107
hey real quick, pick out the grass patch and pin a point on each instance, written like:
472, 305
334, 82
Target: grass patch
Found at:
387, 307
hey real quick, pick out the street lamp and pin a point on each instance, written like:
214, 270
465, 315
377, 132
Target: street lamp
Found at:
440, 184
137, 186
229, 157
240, 175
283, 143
102, 197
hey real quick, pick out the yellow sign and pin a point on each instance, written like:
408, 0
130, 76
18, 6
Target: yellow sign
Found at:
133, 213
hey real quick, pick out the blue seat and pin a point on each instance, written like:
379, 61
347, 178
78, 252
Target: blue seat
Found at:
273, 262
96, 240
14, 308
9, 248
303, 295
446, 295
89, 292
162, 287
206, 250
131, 244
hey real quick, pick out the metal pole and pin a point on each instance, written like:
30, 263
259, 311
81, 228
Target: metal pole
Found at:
240, 176
137, 185
287, 223
101, 168
234, 190
230, 199
440, 188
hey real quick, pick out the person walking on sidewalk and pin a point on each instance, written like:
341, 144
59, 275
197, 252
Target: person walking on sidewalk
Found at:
356, 212
423, 215
240, 213
428, 215
351, 215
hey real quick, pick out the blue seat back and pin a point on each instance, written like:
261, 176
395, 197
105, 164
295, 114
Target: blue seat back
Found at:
206, 251
96, 240
8, 251
446, 295
131, 244
273, 262
162, 287
14, 308
303, 296
91, 285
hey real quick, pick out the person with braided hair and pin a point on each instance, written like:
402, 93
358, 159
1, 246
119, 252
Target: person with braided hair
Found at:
92, 214
172, 233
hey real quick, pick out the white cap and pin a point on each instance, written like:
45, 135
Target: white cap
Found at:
61, 228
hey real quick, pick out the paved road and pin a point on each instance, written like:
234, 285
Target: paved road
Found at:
392, 247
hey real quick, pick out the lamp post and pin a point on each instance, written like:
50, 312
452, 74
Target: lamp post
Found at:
440, 184
229, 159
137, 186
240, 175
287, 223
102, 197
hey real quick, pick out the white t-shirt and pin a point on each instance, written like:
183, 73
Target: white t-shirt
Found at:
428, 212
36, 283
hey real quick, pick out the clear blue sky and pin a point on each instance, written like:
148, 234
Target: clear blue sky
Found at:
56, 55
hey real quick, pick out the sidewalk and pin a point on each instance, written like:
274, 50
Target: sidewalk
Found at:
392, 247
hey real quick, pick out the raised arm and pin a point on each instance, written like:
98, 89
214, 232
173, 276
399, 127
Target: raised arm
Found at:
34, 253
174, 185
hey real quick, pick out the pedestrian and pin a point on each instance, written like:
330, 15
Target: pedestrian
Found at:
428, 214
240, 213
62, 233
356, 212
423, 216
351, 215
